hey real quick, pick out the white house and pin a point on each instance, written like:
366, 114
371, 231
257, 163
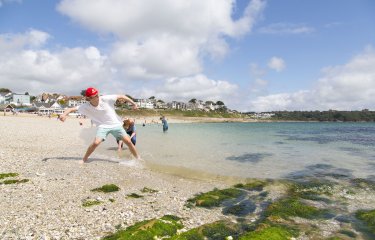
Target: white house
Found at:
144, 103
2, 98
177, 105
47, 108
20, 99
76, 102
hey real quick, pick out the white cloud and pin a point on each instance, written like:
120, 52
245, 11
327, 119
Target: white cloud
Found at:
197, 86
344, 87
277, 64
165, 38
286, 28
31, 39
24, 66
256, 71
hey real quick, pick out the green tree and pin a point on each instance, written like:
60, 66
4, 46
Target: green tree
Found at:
193, 100
5, 90
83, 92
220, 103
61, 102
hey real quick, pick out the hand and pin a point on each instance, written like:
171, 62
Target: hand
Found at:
135, 107
62, 118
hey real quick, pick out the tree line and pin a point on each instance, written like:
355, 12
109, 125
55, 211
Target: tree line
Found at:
331, 116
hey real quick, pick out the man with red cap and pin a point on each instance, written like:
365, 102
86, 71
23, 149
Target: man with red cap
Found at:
102, 112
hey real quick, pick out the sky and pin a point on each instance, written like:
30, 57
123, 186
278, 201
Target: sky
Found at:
253, 55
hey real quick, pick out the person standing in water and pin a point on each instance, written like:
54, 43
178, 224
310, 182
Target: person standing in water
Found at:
165, 124
101, 110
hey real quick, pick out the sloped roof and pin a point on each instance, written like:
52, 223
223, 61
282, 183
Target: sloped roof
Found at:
5, 106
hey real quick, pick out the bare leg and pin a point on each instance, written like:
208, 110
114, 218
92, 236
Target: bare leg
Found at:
91, 149
119, 147
133, 150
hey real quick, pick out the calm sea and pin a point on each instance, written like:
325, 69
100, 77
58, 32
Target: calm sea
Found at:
260, 150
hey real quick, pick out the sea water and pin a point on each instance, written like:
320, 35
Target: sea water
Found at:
259, 150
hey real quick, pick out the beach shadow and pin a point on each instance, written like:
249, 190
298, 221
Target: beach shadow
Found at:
77, 159
321, 171
249, 157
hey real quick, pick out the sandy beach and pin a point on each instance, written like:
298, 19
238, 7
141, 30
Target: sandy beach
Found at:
49, 206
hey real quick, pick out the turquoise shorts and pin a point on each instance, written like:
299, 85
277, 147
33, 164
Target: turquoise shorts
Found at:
117, 132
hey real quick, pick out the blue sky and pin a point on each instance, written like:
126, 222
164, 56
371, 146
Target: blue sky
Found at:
255, 55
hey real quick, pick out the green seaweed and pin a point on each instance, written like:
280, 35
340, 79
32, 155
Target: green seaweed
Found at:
89, 203
14, 181
348, 233
363, 183
148, 190
266, 232
368, 217
292, 207
6, 175
107, 188
255, 185
314, 187
134, 195
166, 226
215, 230
215, 197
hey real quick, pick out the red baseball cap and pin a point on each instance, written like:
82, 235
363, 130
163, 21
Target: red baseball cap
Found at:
91, 92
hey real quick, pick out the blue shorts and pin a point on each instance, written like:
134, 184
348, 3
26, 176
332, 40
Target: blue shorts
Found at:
117, 132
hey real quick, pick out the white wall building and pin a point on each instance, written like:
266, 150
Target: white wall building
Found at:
20, 99
144, 103
2, 98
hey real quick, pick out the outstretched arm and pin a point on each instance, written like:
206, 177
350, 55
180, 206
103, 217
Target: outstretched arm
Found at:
124, 98
66, 113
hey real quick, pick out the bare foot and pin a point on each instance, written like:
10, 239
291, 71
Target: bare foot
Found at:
81, 162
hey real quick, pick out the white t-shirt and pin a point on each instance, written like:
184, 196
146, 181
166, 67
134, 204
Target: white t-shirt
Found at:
104, 114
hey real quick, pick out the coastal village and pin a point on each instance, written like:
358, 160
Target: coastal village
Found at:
54, 103
48, 103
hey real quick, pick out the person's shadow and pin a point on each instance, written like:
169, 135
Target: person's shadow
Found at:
77, 159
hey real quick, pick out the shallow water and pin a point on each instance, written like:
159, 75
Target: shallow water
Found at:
256, 150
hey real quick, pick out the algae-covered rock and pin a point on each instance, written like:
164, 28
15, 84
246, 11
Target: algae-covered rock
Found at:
217, 230
215, 197
276, 232
166, 226
134, 195
254, 185
368, 217
293, 207
316, 187
240, 209
363, 183
89, 203
107, 188
6, 175
11, 181
14, 181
